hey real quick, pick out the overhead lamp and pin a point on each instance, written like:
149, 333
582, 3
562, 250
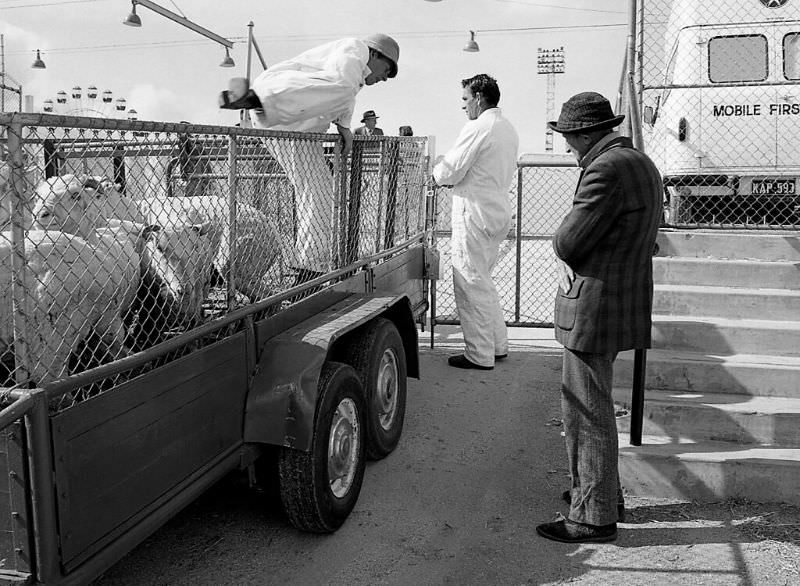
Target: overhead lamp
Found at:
133, 19
228, 61
38, 63
471, 46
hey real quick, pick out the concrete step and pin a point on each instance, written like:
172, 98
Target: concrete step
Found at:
709, 471
768, 304
742, 419
670, 270
729, 244
717, 335
694, 372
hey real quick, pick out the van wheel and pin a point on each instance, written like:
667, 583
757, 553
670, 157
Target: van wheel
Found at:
378, 356
319, 488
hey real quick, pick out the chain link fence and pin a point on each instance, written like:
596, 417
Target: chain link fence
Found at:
525, 273
10, 98
120, 235
720, 86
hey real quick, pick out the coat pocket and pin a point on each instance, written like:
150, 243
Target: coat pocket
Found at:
567, 305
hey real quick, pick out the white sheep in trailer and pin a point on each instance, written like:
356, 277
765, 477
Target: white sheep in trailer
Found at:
67, 304
181, 251
165, 267
64, 302
258, 243
71, 204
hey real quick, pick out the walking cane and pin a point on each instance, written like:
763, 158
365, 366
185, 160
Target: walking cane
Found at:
637, 396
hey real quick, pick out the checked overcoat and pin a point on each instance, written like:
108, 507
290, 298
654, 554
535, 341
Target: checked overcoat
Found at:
608, 239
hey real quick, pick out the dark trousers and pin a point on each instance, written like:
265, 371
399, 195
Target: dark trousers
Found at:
590, 431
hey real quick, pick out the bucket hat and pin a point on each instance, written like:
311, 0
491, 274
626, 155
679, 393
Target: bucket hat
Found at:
369, 114
386, 46
585, 112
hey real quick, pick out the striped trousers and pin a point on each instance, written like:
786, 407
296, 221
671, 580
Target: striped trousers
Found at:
590, 432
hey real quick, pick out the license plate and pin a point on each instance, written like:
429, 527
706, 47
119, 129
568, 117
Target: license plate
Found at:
774, 187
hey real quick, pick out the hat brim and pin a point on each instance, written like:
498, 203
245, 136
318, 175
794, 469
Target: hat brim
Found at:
611, 123
369, 118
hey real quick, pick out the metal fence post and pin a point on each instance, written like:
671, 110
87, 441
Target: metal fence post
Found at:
42, 483
20, 302
233, 228
518, 236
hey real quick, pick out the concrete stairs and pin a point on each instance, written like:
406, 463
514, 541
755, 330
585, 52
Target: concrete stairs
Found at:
722, 400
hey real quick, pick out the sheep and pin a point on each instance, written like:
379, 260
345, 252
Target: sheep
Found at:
179, 253
69, 204
67, 302
164, 278
258, 242
110, 202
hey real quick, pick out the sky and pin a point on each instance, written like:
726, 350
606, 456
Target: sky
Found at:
170, 73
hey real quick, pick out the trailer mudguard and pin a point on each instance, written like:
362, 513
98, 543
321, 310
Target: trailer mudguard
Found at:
282, 400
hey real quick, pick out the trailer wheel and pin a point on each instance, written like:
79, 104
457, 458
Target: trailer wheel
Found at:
378, 356
319, 488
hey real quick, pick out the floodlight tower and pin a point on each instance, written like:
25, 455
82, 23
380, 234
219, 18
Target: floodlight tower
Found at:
550, 62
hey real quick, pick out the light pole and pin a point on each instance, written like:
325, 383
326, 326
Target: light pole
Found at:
135, 20
550, 62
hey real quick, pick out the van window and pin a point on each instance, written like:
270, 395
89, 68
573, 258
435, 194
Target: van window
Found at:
791, 56
737, 58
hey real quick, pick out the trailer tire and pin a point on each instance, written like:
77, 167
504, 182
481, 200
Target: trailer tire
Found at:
379, 358
319, 488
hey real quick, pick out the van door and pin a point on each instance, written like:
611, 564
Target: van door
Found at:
787, 72
738, 132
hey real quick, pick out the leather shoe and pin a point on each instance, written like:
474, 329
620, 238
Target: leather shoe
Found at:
567, 531
566, 496
500, 356
247, 102
461, 361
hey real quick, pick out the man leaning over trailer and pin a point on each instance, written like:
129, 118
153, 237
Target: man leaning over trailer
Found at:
306, 94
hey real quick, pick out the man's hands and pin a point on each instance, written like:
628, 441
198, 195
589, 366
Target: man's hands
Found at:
566, 276
347, 139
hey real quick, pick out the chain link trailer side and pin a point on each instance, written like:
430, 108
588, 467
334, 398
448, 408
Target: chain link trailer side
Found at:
162, 327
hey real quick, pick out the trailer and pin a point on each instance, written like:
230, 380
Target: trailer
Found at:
297, 382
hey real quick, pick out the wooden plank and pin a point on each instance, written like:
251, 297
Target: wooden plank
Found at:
96, 411
117, 453
91, 519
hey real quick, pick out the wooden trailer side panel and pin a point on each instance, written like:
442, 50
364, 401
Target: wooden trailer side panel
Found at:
15, 547
117, 453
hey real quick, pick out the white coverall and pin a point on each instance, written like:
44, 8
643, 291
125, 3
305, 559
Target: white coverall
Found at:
480, 167
305, 94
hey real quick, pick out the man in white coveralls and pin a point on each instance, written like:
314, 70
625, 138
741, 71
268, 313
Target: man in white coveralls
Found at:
306, 94
480, 167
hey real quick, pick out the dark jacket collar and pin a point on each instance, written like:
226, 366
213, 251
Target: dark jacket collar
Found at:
609, 141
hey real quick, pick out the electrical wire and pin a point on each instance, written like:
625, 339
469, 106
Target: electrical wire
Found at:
538, 5
48, 4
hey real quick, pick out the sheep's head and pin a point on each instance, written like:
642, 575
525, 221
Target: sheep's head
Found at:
180, 259
66, 203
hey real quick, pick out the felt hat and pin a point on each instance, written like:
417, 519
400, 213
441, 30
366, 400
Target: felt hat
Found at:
585, 112
386, 46
369, 114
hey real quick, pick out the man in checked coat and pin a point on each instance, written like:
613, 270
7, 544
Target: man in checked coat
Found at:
603, 306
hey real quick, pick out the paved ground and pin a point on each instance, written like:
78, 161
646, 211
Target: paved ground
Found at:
480, 464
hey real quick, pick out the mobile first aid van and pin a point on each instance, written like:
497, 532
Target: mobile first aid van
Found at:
723, 123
